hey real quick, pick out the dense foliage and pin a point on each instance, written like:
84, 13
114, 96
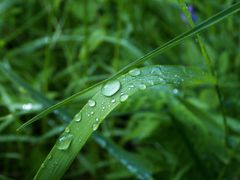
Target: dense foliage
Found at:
181, 123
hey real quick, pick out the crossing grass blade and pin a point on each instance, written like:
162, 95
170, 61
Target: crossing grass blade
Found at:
177, 40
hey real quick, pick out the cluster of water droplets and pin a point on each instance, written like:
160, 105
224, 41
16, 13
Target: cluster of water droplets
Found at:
109, 90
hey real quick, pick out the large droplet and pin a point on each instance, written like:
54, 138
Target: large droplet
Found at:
64, 141
134, 72
123, 97
110, 88
78, 117
91, 103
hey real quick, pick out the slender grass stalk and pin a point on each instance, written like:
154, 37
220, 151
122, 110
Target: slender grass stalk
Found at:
208, 62
199, 28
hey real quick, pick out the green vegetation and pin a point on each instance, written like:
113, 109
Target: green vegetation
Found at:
145, 89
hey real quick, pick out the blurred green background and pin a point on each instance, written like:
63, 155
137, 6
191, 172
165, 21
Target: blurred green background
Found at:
51, 49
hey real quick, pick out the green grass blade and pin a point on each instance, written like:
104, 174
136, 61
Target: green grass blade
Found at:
140, 167
199, 28
94, 112
64, 117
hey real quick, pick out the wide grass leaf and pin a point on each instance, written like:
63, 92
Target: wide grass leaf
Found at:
112, 94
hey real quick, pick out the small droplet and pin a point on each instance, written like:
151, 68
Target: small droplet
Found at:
64, 141
123, 97
97, 119
91, 103
95, 126
142, 86
134, 72
92, 112
111, 88
175, 91
113, 100
67, 129
78, 117
151, 82
161, 79
103, 107
156, 70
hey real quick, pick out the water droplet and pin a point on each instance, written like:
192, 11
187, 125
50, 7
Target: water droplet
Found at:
67, 129
64, 141
134, 72
113, 100
92, 112
111, 88
91, 103
95, 126
156, 70
97, 119
103, 107
175, 91
78, 117
123, 97
161, 79
142, 86
151, 82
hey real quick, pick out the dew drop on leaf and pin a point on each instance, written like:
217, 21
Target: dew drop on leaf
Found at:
175, 91
95, 126
156, 70
64, 141
78, 117
97, 119
113, 100
134, 72
142, 86
67, 129
111, 88
123, 97
91, 103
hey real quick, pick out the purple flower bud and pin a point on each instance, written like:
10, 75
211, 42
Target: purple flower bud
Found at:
193, 14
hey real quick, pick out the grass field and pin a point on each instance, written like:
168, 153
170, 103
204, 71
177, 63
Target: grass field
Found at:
145, 89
